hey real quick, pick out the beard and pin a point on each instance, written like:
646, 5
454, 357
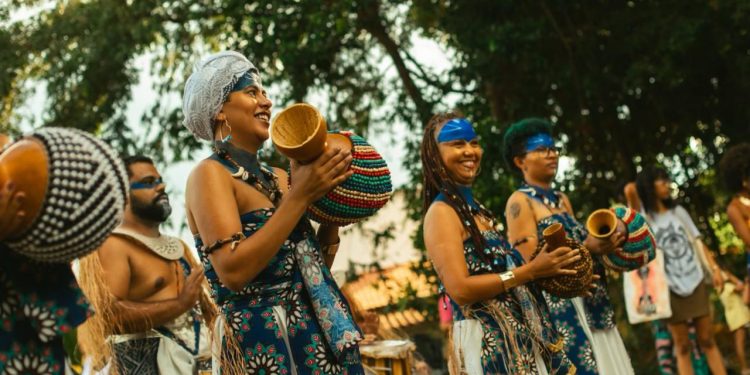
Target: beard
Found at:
157, 210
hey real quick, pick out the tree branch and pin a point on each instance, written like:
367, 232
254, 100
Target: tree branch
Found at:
368, 15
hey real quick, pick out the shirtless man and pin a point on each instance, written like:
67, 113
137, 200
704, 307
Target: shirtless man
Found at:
155, 282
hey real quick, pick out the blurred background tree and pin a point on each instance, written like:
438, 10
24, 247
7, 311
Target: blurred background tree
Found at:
627, 83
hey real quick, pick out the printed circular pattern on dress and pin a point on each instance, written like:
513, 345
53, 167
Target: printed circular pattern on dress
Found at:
270, 322
586, 357
27, 364
311, 270
608, 317
251, 289
508, 305
525, 363
285, 264
489, 344
566, 333
10, 301
42, 320
250, 228
318, 359
265, 361
240, 321
297, 315
556, 305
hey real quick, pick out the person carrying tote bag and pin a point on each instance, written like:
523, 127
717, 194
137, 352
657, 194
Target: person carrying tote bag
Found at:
684, 255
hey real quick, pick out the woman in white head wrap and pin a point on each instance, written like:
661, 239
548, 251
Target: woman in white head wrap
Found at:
261, 256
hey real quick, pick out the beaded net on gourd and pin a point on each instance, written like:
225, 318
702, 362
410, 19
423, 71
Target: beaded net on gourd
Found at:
639, 247
362, 194
85, 197
569, 286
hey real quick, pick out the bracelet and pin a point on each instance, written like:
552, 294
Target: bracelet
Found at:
508, 279
234, 239
330, 249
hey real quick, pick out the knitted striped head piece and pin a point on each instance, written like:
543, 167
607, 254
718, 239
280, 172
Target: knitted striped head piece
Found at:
639, 247
85, 199
207, 89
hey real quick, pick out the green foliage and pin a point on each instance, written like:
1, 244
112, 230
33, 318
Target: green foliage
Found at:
627, 83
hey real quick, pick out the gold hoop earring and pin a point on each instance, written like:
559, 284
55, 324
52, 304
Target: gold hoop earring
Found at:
221, 132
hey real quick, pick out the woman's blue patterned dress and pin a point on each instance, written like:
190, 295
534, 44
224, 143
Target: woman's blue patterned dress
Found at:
529, 326
297, 288
599, 313
39, 303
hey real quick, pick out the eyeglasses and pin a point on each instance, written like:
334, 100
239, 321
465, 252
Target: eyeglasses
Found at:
546, 151
147, 183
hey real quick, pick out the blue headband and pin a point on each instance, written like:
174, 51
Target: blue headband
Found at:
250, 78
458, 128
540, 140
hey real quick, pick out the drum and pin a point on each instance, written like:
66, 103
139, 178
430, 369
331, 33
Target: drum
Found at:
388, 357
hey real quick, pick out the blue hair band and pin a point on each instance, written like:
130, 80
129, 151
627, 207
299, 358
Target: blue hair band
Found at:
458, 128
540, 140
250, 78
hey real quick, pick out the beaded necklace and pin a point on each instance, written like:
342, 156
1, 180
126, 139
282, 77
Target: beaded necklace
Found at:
246, 167
548, 197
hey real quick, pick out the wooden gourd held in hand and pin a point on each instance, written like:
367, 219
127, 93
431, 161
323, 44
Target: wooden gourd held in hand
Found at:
299, 132
567, 286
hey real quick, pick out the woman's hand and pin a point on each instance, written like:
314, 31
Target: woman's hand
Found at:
718, 280
739, 286
592, 286
555, 263
312, 181
607, 245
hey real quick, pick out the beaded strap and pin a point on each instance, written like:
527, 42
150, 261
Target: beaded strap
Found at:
235, 239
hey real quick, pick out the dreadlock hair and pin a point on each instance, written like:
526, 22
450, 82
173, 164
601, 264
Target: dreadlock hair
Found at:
436, 180
514, 140
734, 167
644, 183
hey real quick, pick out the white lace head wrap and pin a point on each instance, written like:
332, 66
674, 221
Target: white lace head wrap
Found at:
207, 88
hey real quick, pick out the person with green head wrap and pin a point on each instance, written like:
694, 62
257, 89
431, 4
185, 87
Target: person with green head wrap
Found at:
586, 323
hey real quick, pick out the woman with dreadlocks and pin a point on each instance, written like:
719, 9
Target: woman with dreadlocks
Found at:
500, 320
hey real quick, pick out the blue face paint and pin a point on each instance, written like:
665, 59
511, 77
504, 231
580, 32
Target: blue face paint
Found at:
537, 141
458, 128
146, 185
